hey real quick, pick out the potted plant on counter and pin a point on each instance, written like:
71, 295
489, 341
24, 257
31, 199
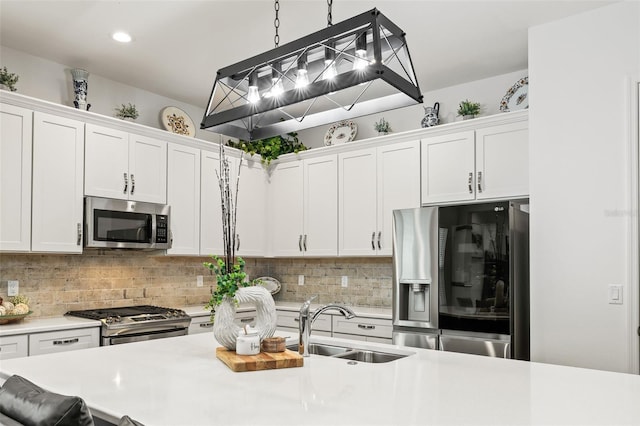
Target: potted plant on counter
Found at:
8, 80
468, 109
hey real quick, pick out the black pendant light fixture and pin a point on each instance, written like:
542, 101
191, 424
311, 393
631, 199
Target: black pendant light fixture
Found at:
353, 68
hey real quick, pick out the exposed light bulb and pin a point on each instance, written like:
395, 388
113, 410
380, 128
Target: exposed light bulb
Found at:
276, 88
302, 78
253, 95
330, 70
360, 61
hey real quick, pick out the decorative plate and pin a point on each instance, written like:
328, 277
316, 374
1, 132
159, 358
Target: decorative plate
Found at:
6, 319
517, 97
270, 284
342, 132
177, 121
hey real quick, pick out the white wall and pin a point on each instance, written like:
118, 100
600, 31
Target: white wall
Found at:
488, 92
579, 76
44, 79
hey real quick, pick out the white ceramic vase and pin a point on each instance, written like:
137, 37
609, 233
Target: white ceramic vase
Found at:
226, 330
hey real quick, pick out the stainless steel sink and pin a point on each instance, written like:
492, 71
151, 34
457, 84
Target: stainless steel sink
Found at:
350, 353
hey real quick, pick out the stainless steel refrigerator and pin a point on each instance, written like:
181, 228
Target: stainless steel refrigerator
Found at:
461, 278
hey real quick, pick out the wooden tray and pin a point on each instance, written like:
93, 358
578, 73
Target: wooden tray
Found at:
262, 361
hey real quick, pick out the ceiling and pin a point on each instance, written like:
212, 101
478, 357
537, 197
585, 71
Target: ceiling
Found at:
179, 45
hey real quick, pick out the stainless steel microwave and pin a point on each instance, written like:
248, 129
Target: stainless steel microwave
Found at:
111, 223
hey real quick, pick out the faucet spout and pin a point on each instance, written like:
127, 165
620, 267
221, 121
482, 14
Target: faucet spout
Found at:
307, 319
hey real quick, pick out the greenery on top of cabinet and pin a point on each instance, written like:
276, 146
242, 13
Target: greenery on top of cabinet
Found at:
270, 148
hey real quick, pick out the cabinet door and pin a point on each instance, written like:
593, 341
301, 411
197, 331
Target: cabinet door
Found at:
63, 340
14, 346
15, 178
286, 209
200, 324
147, 169
58, 170
448, 168
398, 187
357, 203
252, 214
106, 163
320, 236
183, 195
211, 242
502, 161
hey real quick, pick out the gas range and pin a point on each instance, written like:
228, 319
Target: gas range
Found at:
136, 323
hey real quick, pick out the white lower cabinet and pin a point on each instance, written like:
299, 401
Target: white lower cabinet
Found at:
363, 328
14, 346
289, 320
203, 324
64, 340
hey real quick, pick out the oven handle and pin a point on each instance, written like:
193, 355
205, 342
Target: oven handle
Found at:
117, 340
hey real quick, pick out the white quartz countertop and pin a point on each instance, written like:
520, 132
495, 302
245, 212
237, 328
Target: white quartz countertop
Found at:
39, 325
179, 381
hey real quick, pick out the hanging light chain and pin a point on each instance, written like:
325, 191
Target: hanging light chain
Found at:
276, 23
329, 16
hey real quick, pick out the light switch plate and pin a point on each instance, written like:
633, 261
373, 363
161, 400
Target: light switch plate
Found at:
13, 287
199, 281
615, 294
300, 279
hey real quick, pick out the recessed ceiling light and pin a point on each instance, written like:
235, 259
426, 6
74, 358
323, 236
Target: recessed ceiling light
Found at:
121, 37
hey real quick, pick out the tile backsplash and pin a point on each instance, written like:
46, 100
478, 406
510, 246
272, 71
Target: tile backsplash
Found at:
59, 283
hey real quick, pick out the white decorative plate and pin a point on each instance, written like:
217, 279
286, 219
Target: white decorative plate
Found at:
342, 132
517, 97
177, 121
270, 284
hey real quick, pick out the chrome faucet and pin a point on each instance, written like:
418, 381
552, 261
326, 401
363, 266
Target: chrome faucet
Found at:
307, 319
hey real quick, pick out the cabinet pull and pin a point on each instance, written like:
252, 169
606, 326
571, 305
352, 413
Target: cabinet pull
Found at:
469, 182
79, 239
304, 242
206, 325
243, 320
126, 184
300, 242
479, 181
133, 184
379, 238
297, 319
237, 241
66, 342
373, 243
366, 326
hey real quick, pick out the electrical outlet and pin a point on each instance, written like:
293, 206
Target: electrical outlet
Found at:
300, 279
345, 281
199, 281
13, 287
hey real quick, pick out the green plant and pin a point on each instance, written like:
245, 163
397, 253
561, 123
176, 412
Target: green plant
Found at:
382, 126
127, 111
468, 108
229, 278
8, 79
270, 148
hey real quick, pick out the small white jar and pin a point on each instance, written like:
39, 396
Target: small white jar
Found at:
248, 344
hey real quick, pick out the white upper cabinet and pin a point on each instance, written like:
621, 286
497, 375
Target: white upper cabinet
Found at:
251, 224
183, 195
125, 166
502, 161
304, 207
448, 168
15, 178
488, 163
211, 242
372, 183
58, 166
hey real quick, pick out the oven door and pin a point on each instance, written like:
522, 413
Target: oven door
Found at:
140, 337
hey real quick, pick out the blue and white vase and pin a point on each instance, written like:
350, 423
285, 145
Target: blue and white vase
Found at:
80, 84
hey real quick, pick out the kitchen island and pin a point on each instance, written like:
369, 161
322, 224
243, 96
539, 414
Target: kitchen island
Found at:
179, 381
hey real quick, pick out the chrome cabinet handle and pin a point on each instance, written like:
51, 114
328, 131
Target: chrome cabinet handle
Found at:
133, 184
126, 184
304, 242
373, 237
469, 182
66, 342
379, 238
79, 239
247, 319
237, 241
300, 242
206, 325
367, 327
479, 181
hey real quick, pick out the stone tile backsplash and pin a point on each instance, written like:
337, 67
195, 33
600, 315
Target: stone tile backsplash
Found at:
59, 283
